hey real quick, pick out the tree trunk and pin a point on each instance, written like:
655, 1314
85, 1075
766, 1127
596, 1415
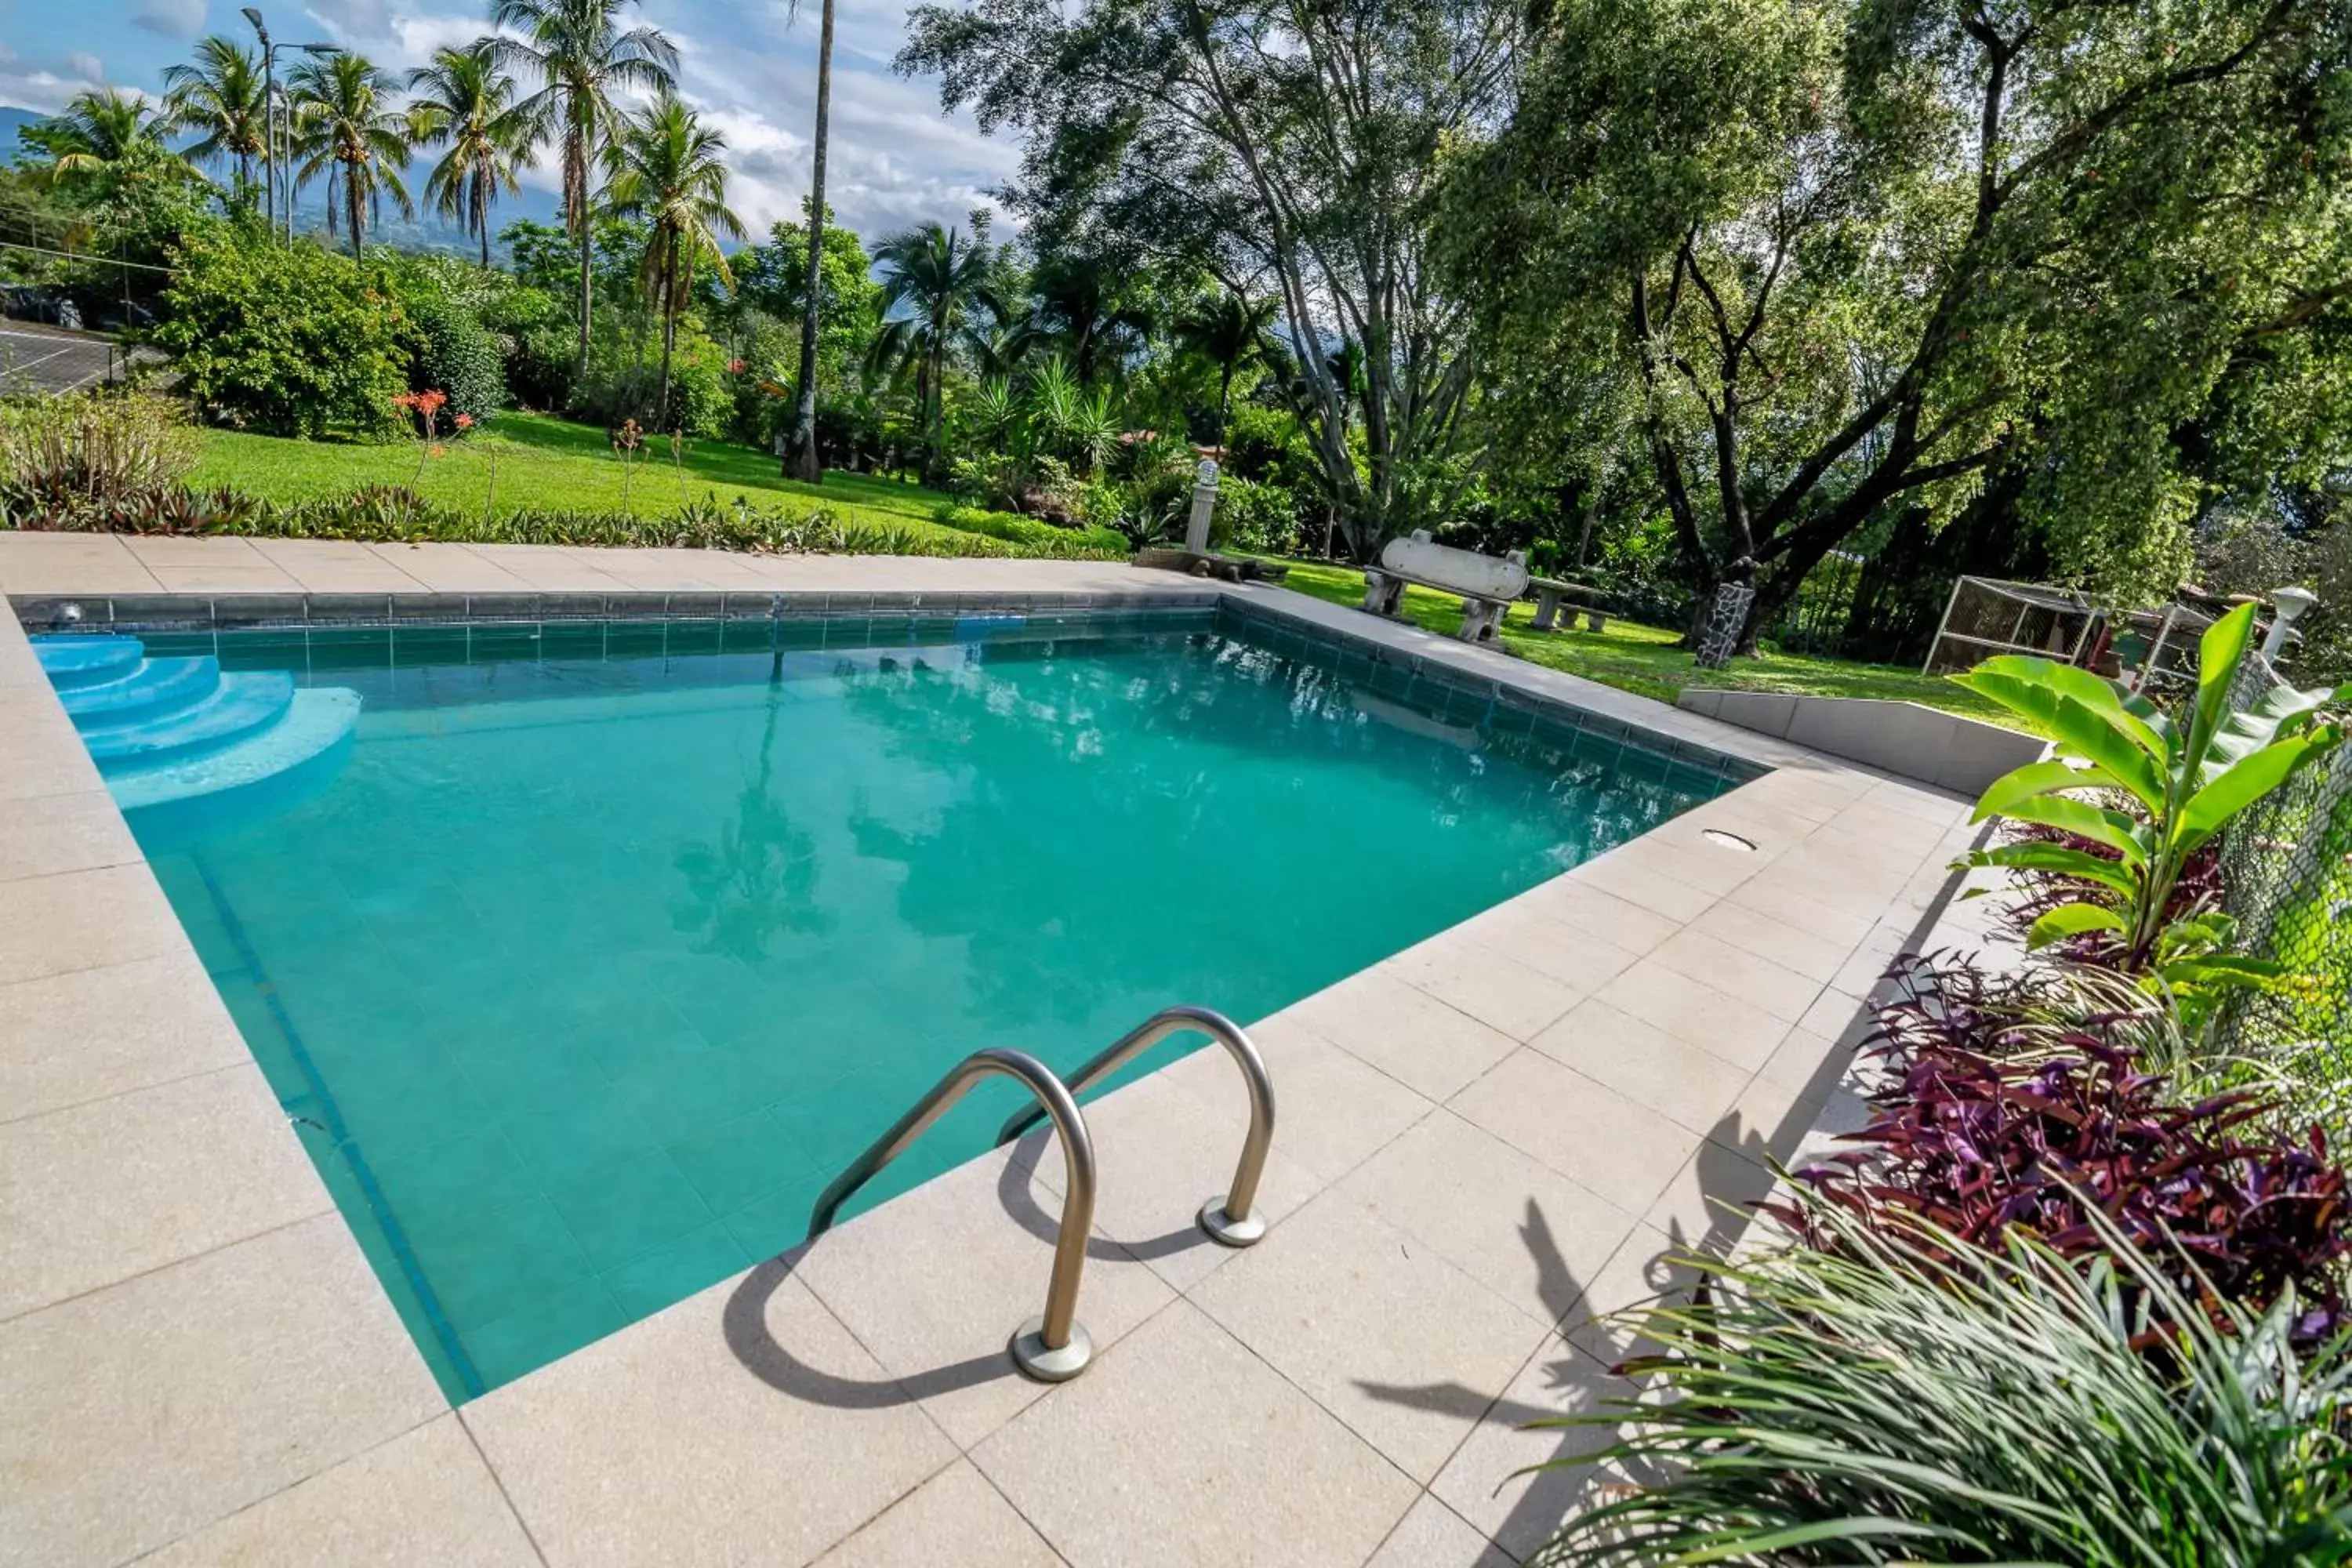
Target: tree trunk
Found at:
669, 334
801, 456
1225, 407
351, 206
482, 213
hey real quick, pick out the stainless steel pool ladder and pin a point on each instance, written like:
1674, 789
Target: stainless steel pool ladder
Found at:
1230, 1221
1054, 1347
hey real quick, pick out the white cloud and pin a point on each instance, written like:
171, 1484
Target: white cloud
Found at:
178, 19
88, 67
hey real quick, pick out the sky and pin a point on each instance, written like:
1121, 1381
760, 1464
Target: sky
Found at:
895, 158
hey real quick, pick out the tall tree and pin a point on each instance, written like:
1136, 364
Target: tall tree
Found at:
801, 455
936, 295
578, 51
664, 168
1297, 141
1082, 307
347, 128
1225, 331
464, 100
1858, 256
223, 99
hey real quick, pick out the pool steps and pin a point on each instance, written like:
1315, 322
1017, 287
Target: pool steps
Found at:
169, 730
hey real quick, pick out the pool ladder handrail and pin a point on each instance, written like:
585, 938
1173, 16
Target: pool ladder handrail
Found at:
1230, 1222
1053, 1347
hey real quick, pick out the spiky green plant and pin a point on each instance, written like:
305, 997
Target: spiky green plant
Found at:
1865, 1405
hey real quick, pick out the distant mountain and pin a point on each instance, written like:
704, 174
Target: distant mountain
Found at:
11, 121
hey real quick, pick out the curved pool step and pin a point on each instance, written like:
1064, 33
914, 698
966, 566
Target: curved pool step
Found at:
156, 686
239, 706
72, 659
315, 722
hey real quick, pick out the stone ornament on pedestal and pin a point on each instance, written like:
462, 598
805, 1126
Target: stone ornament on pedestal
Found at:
1205, 503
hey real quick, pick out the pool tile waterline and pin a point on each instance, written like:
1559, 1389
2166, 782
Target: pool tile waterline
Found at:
565, 1056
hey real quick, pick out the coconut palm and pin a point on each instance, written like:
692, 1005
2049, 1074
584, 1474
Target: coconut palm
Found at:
465, 101
800, 456
99, 132
664, 167
581, 58
346, 128
1080, 309
1225, 332
936, 293
223, 99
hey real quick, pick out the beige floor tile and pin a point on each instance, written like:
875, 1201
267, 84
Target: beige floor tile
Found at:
934, 1282
185, 551
94, 1194
1763, 982
1620, 923
424, 1498
1802, 902
44, 754
1382, 1331
258, 578
1807, 1064
50, 834
70, 563
1162, 1152
449, 570
1585, 1130
1575, 958
1711, 869
1793, 947
698, 1436
1488, 1480
139, 1414
1183, 1447
1741, 1031
1709, 1203
91, 1032
1493, 987
1402, 1030
85, 919
1506, 1219
1434, 1536
1330, 1110
1644, 886
957, 1518
1669, 1075
1837, 1015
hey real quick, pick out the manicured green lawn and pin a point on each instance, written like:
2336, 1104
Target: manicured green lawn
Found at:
1644, 660
545, 462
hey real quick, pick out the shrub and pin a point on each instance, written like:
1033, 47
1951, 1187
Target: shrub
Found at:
90, 452
1901, 1400
1018, 530
1256, 517
1995, 1120
288, 340
456, 355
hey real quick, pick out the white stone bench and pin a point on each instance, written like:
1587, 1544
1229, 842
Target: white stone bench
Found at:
1486, 586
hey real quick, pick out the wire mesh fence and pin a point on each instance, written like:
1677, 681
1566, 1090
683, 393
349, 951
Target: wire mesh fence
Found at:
2286, 865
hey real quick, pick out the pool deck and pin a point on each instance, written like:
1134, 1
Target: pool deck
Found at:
1482, 1142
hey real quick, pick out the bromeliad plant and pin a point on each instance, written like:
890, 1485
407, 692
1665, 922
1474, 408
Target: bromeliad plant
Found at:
2152, 787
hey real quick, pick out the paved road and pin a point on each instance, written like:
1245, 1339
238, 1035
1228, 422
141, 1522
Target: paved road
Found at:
37, 358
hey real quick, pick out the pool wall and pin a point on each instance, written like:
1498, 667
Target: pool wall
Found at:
1484, 1138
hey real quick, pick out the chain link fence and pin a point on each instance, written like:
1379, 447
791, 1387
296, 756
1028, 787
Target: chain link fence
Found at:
2286, 865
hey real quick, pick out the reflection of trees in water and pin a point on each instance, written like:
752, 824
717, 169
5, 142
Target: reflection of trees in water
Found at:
1050, 895
758, 878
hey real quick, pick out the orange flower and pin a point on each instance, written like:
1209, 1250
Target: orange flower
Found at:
465, 422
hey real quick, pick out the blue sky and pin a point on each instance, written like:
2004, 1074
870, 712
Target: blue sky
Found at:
895, 158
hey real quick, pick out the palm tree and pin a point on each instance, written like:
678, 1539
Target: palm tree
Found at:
1080, 309
346, 128
100, 131
933, 281
664, 167
221, 98
465, 100
801, 453
581, 58
1227, 331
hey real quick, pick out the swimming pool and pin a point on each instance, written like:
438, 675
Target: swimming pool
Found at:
605, 945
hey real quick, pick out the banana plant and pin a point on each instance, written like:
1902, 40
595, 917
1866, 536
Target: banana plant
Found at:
2151, 786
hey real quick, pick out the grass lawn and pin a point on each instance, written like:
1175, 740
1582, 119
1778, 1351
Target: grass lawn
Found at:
1644, 660
545, 462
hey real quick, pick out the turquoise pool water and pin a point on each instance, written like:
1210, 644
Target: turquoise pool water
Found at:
604, 946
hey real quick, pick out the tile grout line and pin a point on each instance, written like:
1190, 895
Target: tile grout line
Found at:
311, 1218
